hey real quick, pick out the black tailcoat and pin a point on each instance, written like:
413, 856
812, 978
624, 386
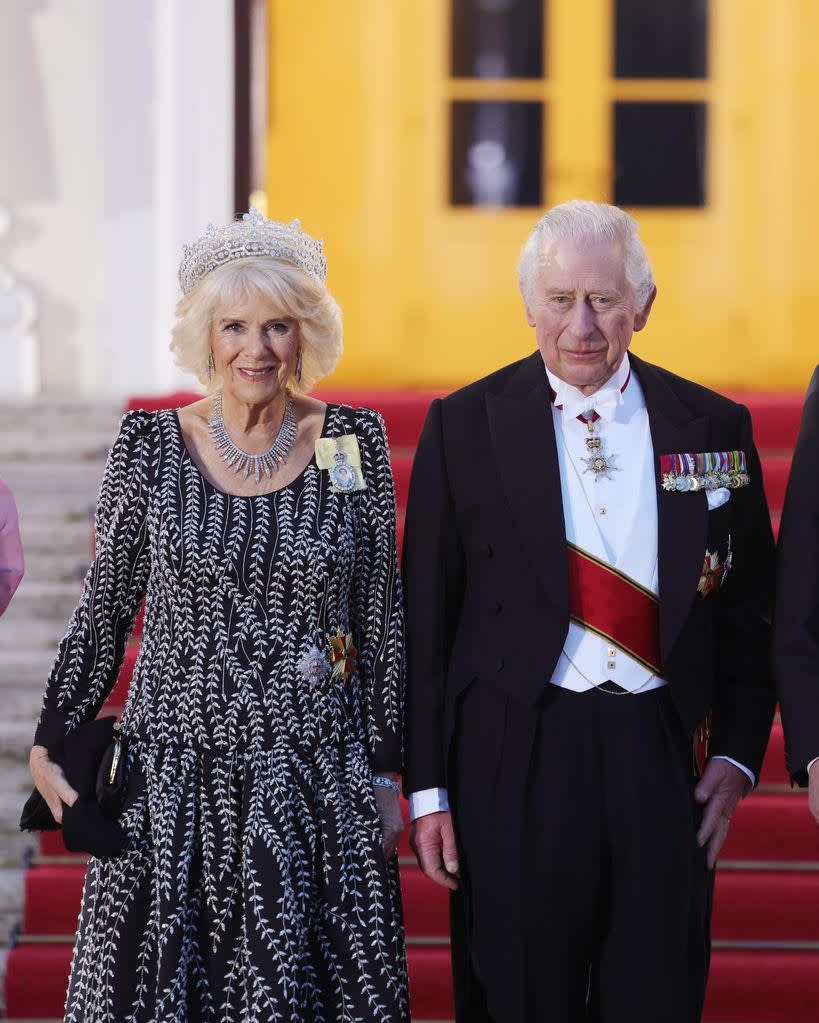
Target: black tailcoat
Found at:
796, 634
485, 571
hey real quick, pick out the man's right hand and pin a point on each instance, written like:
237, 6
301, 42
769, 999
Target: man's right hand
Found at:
433, 841
813, 790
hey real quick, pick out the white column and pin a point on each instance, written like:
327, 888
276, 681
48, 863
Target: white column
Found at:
127, 69
18, 342
193, 159
116, 146
51, 174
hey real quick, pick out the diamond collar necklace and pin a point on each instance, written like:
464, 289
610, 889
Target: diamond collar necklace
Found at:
242, 461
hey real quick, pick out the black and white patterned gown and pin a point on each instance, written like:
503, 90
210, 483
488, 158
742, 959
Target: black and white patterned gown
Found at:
253, 888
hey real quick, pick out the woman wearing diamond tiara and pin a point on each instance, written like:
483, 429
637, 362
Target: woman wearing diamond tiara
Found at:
258, 879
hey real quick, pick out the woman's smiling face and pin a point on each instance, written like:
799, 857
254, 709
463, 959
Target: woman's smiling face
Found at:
254, 348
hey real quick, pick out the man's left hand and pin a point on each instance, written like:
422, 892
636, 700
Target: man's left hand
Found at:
719, 789
813, 790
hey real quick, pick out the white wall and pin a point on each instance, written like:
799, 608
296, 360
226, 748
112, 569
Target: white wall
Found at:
116, 146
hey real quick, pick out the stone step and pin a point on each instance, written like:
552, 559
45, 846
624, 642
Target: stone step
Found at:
16, 790
52, 454
25, 669
69, 411
22, 703
16, 778
35, 601
48, 490
12, 802
43, 537
4, 954
58, 567
17, 844
9, 928
87, 404
37, 635
66, 445
15, 746
11, 891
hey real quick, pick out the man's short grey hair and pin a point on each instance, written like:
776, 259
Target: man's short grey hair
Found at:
584, 221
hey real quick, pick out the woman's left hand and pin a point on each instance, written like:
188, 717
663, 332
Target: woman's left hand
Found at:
392, 823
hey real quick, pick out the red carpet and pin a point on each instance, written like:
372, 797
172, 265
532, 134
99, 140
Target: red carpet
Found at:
763, 986
766, 920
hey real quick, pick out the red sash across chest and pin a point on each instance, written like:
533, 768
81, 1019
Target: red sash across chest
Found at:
607, 602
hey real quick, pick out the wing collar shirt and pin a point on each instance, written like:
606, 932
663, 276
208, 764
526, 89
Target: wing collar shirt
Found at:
612, 518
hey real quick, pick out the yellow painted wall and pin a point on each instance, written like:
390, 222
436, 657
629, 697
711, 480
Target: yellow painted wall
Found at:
358, 149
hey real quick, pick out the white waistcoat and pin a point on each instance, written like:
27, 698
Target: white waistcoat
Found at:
625, 536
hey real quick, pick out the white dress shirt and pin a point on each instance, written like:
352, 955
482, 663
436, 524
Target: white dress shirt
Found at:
614, 519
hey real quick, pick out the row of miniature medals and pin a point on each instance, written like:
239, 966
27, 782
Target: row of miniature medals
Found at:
602, 465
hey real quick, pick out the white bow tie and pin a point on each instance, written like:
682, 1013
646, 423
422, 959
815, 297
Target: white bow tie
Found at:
604, 402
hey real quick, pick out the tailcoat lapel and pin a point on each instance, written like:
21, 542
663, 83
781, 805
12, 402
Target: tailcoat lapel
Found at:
523, 438
682, 519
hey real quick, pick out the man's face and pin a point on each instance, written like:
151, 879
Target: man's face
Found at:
583, 311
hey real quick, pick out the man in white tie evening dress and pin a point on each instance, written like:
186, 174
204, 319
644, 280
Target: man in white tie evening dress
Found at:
796, 633
588, 564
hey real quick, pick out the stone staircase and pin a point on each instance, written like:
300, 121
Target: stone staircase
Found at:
52, 454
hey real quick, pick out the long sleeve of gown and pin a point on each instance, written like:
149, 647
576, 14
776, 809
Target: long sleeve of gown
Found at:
378, 602
11, 547
90, 654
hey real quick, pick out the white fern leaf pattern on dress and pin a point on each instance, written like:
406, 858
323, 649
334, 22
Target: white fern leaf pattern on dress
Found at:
253, 888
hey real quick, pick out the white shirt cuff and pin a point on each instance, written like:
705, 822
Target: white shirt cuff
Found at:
437, 800
810, 765
742, 767
428, 801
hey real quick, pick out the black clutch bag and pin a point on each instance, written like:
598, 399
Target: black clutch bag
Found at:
94, 759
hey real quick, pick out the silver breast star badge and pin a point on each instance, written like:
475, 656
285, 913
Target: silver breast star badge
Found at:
601, 465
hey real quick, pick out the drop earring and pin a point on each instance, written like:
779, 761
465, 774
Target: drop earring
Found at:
298, 367
210, 366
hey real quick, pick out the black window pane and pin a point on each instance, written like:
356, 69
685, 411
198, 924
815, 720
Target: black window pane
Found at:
497, 38
661, 38
496, 155
659, 154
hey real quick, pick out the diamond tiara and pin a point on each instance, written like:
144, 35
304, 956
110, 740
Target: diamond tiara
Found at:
251, 236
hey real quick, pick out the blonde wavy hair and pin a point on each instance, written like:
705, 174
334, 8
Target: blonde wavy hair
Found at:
293, 291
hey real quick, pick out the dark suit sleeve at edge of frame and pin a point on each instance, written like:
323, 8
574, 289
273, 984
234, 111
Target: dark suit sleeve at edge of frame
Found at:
432, 566
796, 632
745, 699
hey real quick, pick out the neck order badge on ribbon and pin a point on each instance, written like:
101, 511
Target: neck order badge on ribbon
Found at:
598, 461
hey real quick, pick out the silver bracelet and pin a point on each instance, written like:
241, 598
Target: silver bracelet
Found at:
386, 783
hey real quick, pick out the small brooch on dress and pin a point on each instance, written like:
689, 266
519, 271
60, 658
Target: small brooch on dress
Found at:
341, 457
342, 654
314, 665
711, 572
